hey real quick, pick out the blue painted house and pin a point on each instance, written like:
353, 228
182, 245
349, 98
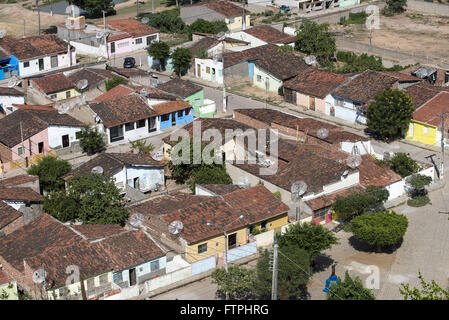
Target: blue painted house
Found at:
173, 113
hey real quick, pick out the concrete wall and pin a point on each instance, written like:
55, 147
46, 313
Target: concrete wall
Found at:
191, 14
304, 100
121, 47
259, 80
264, 239
428, 7
204, 65
154, 176
55, 134
6, 103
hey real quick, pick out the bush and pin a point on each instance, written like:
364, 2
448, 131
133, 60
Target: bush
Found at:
277, 194
403, 165
349, 289
268, 13
115, 82
50, 171
91, 140
166, 22
419, 201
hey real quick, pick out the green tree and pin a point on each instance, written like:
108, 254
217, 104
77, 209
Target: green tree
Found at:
349, 289
92, 199
430, 291
293, 275
285, 48
209, 175
141, 146
94, 8
238, 282
181, 60
389, 115
315, 39
91, 140
166, 22
403, 165
395, 6
417, 185
112, 83
159, 51
383, 228
50, 171
312, 237
358, 202
201, 25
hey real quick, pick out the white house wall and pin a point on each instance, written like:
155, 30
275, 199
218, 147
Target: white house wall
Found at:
120, 177
7, 102
82, 48
63, 62
55, 135
203, 63
155, 175
240, 35
346, 112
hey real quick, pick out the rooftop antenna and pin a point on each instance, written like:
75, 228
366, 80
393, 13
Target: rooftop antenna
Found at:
12, 83
97, 170
136, 220
243, 182
353, 161
298, 189
175, 227
2, 33
63, 109
144, 91
39, 276
82, 84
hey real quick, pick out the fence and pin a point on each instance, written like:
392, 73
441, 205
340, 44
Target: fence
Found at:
203, 265
242, 251
264, 239
168, 279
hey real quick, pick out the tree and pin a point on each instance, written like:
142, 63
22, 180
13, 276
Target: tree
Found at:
358, 202
395, 6
417, 185
238, 282
349, 289
181, 60
166, 22
312, 237
383, 228
92, 199
389, 115
403, 165
112, 83
315, 39
293, 275
141, 146
209, 175
429, 291
94, 8
91, 140
201, 25
285, 48
159, 51
50, 171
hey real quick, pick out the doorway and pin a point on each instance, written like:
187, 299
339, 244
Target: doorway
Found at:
65, 141
232, 241
132, 277
40, 147
312, 103
41, 64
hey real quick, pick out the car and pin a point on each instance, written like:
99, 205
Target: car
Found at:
285, 8
129, 62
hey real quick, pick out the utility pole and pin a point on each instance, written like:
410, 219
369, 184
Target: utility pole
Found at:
274, 282
224, 83
243, 15
24, 22
226, 258
38, 17
443, 132
104, 34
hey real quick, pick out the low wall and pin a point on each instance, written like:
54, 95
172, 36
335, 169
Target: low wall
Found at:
428, 7
168, 279
265, 239
242, 251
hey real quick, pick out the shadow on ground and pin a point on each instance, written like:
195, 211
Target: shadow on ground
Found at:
365, 247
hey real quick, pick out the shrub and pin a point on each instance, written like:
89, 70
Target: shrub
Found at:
268, 13
419, 201
115, 82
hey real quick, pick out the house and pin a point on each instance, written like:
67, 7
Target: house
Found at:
235, 17
205, 218
8, 97
54, 87
135, 170
95, 79
431, 74
271, 70
191, 93
312, 89
8, 287
309, 5
32, 132
261, 35
130, 117
10, 219
351, 100
35, 55
405, 80
215, 189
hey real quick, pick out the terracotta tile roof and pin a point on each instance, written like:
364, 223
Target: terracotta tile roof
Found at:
269, 34
130, 249
107, 74
33, 122
119, 36
283, 65
4, 278
122, 110
13, 92
226, 8
202, 44
364, 87
420, 94
18, 180
171, 106
371, 174
33, 47
220, 189
403, 77
153, 93
429, 111
132, 27
181, 88
116, 92
29, 241
53, 83
19, 194
110, 162
232, 58
327, 200
97, 231
317, 83
8, 214
92, 78
48, 107
131, 72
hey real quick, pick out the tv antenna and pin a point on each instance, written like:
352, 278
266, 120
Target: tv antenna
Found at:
175, 227
39, 276
298, 189
145, 20
136, 220
243, 182
97, 170
2, 33
144, 91
353, 161
310, 60
322, 133
157, 156
82, 84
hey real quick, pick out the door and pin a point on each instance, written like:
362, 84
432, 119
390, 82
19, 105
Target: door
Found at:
65, 141
312, 103
152, 125
173, 119
332, 111
112, 47
198, 68
40, 146
132, 276
213, 74
232, 241
41, 64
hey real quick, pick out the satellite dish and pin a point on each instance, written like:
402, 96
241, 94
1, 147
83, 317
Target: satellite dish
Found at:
298, 189
323, 133
63, 109
82, 84
2, 33
175, 227
136, 220
97, 170
157, 156
12, 83
39, 276
144, 91
345, 173
354, 161
99, 35
243, 182
310, 60
145, 20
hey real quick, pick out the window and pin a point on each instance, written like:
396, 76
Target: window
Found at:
197, 102
231, 20
232, 241
53, 96
67, 94
20, 151
90, 283
426, 130
103, 279
165, 117
78, 135
152, 124
320, 213
141, 123
129, 126
202, 248
65, 141
118, 277
112, 47
263, 226
139, 41
151, 39
339, 102
116, 133
207, 69
26, 64
179, 113
54, 61
154, 265
259, 78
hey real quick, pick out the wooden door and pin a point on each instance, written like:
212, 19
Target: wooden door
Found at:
132, 276
312, 103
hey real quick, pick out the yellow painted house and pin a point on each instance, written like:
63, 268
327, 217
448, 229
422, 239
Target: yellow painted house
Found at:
423, 132
55, 87
235, 23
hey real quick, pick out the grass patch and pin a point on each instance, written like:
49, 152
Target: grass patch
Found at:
354, 18
418, 201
